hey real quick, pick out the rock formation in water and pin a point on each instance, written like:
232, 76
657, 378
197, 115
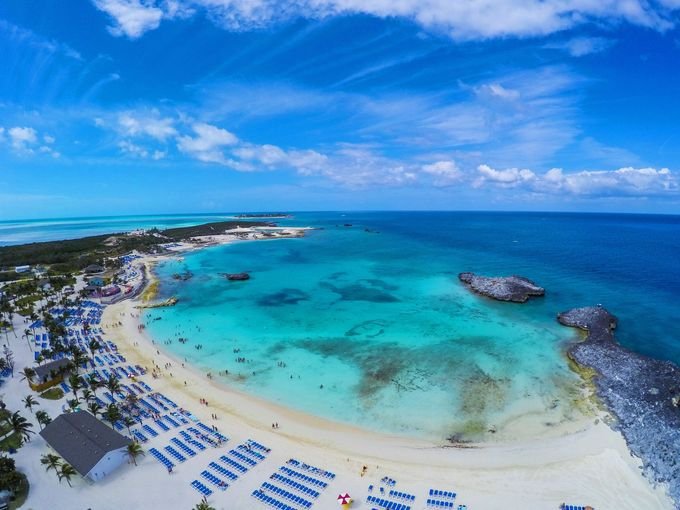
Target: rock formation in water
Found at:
640, 392
237, 277
503, 288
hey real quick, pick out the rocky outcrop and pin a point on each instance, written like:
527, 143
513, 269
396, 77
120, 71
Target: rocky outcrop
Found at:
640, 392
237, 277
503, 288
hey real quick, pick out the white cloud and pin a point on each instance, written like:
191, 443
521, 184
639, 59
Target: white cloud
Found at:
49, 150
471, 19
627, 181
509, 177
445, 172
26, 141
208, 143
131, 17
624, 181
149, 124
582, 46
22, 137
130, 148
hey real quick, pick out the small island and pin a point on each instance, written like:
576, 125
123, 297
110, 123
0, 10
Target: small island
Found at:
516, 289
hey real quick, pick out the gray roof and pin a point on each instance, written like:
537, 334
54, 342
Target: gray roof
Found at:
42, 372
82, 440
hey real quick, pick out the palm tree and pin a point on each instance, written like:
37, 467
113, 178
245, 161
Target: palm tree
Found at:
29, 402
128, 422
43, 418
134, 450
94, 382
51, 461
66, 471
27, 373
73, 403
131, 399
88, 396
79, 358
112, 414
74, 382
113, 384
94, 407
20, 425
93, 345
7, 310
203, 505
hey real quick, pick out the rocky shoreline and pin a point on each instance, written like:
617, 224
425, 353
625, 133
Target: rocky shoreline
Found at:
502, 288
641, 392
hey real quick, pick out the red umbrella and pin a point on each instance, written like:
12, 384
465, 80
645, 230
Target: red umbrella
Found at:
344, 499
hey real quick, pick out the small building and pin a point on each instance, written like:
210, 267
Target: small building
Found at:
50, 374
94, 269
40, 272
96, 281
93, 448
22, 269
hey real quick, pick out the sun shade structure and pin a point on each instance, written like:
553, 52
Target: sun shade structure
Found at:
89, 445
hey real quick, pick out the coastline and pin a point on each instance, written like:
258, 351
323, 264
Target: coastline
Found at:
580, 460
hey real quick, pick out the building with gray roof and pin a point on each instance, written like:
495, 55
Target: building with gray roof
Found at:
93, 448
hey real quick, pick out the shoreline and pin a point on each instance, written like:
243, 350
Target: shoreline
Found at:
418, 460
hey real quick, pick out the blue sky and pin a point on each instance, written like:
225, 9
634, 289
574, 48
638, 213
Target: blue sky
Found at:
155, 106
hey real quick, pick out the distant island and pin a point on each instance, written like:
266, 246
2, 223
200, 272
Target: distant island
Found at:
264, 215
73, 255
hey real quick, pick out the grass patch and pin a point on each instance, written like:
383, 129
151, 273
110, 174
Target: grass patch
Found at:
12, 442
55, 393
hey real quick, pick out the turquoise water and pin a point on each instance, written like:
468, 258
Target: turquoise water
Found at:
381, 322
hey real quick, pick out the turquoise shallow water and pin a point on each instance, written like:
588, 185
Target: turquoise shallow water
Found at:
375, 329
381, 321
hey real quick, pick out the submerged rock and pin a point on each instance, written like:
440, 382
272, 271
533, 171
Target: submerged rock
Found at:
503, 288
237, 277
638, 390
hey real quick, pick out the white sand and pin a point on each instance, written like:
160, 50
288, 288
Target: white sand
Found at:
591, 467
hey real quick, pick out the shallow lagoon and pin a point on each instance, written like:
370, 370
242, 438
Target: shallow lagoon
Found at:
375, 330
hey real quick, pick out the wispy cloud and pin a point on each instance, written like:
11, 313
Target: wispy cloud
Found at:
582, 46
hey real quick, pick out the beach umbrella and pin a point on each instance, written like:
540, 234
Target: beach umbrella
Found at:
345, 500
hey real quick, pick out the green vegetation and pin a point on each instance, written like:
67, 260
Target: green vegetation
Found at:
11, 443
52, 394
13, 481
73, 255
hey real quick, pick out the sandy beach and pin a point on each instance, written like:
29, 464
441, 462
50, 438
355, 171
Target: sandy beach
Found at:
522, 475
592, 466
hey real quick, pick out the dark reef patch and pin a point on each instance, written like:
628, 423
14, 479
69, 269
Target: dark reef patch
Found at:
368, 329
641, 392
360, 292
283, 297
294, 257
